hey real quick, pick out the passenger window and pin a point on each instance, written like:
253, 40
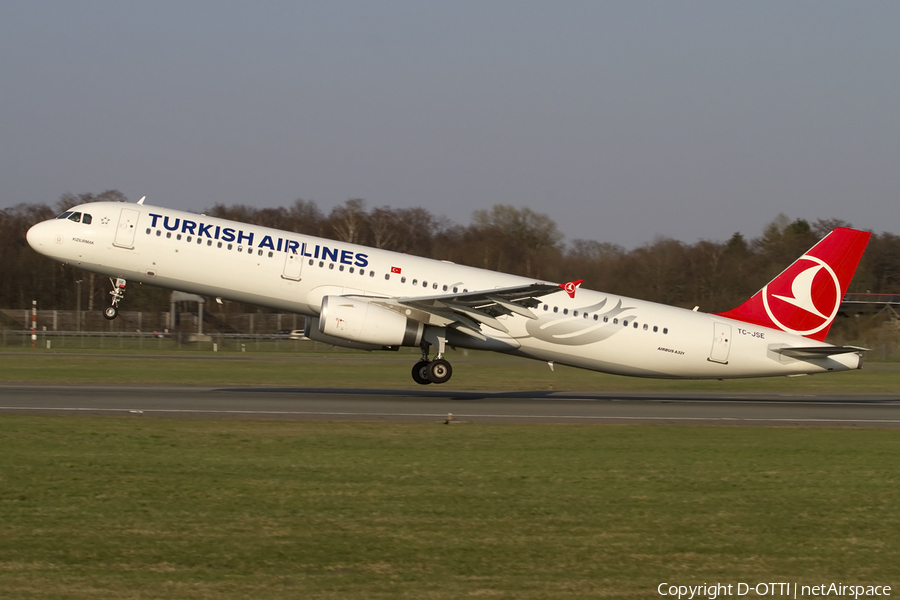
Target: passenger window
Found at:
606, 319
271, 254
341, 268
434, 286
371, 273
615, 321
158, 233
455, 290
565, 311
240, 248
575, 313
555, 309
445, 288
424, 284
169, 234
403, 280
665, 330
148, 231
387, 276
331, 266
625, 323
585, 315
655, 329
635, 324
260, 253
415, 281
230, 246
596, 317
350, 269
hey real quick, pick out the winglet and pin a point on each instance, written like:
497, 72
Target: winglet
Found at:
571, 286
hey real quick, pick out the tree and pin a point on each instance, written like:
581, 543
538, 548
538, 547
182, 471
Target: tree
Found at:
516, 239
305, 217
349, 222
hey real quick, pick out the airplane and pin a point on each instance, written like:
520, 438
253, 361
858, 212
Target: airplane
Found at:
372, 299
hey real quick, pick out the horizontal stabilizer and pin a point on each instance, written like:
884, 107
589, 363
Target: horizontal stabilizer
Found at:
816, 351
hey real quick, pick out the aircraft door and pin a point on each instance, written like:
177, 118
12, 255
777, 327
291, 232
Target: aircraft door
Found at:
293, 263
126, 228
721, 343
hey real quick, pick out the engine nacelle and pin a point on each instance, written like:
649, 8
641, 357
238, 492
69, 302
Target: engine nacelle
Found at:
311, 331
360, 321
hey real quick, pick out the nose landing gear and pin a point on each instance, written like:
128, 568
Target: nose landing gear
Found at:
112, 311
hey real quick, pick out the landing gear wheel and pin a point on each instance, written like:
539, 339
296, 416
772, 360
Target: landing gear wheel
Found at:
111, 312
439, 371
420, 373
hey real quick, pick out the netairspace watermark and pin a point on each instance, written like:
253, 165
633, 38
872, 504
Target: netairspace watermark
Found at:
778, 589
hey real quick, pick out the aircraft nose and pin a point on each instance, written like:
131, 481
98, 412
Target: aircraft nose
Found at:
38, 237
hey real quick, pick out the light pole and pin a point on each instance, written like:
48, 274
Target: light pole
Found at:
78, 306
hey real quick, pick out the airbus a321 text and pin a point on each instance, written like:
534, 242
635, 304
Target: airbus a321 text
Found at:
374, 299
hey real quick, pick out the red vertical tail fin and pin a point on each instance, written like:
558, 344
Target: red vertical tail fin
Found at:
805, 298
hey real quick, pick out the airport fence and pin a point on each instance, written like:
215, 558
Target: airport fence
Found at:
152, 321
165, 342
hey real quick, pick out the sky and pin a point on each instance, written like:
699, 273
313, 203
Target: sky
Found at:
622, 121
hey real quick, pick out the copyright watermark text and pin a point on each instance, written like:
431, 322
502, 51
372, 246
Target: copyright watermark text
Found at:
777, 589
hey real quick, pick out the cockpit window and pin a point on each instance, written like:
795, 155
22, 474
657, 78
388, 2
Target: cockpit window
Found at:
77, 217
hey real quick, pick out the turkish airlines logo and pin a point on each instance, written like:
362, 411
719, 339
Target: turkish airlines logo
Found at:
812, 289
571, 286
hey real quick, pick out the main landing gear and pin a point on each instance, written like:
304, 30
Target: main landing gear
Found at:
432, 371
112, 311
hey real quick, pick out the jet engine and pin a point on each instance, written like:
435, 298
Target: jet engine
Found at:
311, 331
360, 321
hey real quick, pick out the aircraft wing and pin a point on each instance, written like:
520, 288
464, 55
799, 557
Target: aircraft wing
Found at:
468, 311
816, 351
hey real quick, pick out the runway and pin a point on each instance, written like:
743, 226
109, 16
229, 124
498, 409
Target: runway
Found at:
436, 404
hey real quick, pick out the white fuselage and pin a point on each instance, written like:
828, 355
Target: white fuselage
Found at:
293, 272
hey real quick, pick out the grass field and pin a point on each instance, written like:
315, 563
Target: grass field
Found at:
100, 507
160, 508
346, 369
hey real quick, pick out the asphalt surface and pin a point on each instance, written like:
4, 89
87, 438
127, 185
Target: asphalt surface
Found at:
434, 404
